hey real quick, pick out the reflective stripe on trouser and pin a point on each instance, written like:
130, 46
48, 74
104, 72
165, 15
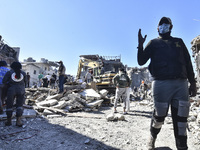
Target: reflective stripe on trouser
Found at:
174, 92
120, 92
18, 93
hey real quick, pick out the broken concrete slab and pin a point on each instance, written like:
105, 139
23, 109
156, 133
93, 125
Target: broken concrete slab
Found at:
41, 98
57, 97
96, 103
48, 112
115, 117
103, 92
119, 117
90, 94
48, 103
74, 104
29, 113
3, 116
110, 117
53, 116
60, 105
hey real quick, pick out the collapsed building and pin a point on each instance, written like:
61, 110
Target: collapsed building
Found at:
7, 53
196, 54
137, 75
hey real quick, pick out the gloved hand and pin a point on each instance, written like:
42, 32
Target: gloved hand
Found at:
192, 89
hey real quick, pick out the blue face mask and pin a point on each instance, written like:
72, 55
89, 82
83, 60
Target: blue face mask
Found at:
164, 28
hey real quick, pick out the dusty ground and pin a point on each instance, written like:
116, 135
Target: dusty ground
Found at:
91, 131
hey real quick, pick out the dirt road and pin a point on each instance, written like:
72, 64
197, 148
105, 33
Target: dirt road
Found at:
90, 131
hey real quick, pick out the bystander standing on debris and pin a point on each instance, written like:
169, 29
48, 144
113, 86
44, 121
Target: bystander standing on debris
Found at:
52, 82
48, 79
40, 76
61, 74
3, 70
122, 82
45, 82
88, 76
171, 68
28, 80
16, 80
143, 90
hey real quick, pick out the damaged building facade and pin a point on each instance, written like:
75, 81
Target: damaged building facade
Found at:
35, 68
7, 53
137, 75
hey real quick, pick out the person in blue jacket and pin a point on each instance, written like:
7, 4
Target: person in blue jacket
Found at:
3, 70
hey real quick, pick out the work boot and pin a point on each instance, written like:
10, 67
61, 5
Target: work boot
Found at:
151, 144
19, 122
1, 110
8, 122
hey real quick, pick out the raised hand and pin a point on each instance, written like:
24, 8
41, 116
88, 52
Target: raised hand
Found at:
141, 39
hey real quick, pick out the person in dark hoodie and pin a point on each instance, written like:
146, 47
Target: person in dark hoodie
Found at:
16, 79
171, 68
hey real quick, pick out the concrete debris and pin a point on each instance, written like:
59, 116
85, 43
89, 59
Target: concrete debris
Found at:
47, 112
29, 113
103, 93
60, 105
96, 103
90, 94
48, 103
115, 117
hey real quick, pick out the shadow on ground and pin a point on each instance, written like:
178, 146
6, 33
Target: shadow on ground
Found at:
163, 148
40, 134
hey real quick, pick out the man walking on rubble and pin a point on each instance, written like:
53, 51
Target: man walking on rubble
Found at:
40, 76
122, 82
171, 69
61, 73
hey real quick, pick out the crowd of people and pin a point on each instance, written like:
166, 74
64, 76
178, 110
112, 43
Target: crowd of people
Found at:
171, 69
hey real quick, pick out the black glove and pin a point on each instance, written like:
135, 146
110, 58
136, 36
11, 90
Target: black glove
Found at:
192, 90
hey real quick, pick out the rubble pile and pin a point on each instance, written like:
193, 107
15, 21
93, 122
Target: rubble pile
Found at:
194, 117
75, 98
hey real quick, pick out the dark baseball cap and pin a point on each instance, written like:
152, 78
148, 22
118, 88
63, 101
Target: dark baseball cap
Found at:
166, 20
3, 63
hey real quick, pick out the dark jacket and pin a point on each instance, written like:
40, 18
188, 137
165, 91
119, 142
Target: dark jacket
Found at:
121, 80
9, 79
170, 59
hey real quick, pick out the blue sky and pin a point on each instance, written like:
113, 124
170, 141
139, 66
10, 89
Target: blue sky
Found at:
64, 29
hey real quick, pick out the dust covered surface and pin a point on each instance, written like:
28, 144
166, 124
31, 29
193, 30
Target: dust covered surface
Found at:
90, 131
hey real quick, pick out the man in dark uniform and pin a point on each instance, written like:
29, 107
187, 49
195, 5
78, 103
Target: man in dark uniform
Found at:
171, 68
